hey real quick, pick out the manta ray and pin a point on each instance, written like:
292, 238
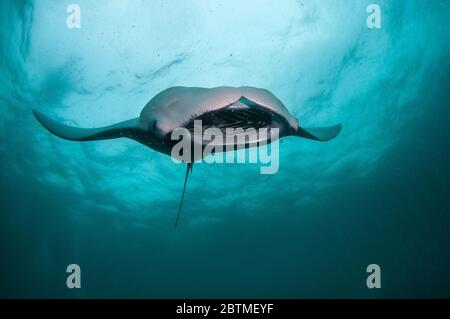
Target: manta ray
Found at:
179, 107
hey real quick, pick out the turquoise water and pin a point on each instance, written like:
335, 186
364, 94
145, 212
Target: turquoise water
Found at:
376, 194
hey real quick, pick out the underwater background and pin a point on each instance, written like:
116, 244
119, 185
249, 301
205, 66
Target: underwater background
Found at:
379, 193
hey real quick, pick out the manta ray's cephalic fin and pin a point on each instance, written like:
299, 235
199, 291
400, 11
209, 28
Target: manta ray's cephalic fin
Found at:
188, 170
322, 134
128, 129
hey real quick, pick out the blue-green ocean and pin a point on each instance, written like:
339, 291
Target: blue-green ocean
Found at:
377, 194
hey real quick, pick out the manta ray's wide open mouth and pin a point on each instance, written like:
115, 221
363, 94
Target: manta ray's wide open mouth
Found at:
243, 114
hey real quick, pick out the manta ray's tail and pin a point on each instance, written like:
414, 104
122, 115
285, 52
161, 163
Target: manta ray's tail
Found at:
188, 170
123, 129
322, 134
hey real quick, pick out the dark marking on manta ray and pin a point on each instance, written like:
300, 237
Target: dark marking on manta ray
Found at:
221, 107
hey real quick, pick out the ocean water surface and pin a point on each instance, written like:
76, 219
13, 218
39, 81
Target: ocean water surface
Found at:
378, 193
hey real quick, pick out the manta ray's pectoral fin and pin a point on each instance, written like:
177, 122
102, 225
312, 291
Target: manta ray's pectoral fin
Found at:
188, 170
128, 129
322, 134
